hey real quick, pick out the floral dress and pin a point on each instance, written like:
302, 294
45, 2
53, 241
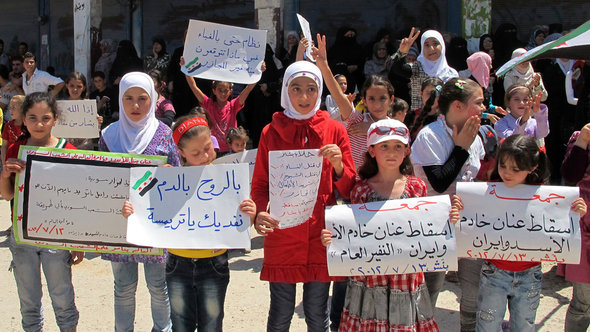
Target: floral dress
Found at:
387, 303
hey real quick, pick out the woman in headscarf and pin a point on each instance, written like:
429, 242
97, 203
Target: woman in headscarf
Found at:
105, 62
126, 61
537, 38
139, 132
430, 63
347, 57
524, 73
378, 64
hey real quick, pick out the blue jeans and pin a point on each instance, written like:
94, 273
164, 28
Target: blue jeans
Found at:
315, 306
125, 286
27, 261
520, 290
197, 290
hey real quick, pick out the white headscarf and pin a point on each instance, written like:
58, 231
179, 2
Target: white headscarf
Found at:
528, 74
439, 68
300, 69
128, 136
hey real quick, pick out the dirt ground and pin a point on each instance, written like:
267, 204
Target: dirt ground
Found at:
247, 301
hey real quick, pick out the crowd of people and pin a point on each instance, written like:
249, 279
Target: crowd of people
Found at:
405, 118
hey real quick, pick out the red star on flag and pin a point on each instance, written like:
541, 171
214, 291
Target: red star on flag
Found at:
21, 187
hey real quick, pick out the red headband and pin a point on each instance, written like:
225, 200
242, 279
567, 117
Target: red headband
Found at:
185, 126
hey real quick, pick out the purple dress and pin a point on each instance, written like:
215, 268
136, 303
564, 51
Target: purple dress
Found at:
576, 170
161, 145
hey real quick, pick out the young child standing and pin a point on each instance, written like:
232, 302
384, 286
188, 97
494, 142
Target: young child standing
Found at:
519, 100
77, 89
386, 174
197, 278
428, 113
164, 109
332, 106
516, 284
139, 132
12, 129
221, 110
296, 254
39, 117
447, 151
237, 138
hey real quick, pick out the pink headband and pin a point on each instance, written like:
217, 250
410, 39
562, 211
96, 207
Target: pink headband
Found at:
185, 126
517, 87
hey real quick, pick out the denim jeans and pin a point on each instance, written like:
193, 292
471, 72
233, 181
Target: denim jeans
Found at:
520, 290
337, 303
197, 290
125, 286
468, 274
27, 261
578, 313
434, 282
315, 306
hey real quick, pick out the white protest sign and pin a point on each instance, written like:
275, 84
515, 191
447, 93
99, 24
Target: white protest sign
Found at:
72, 199
522, 223
189, 207
294, 179
76, 119
391, 237
244, 157
307, 34
222, 52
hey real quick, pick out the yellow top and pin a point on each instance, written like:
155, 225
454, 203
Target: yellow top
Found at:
197, 253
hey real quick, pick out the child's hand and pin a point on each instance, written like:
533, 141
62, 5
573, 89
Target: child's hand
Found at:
537, 103
584, 137
11, 166
248, 207
579, 206
500, 110
320, 53
465, 137
351, 97
536, 80
333, 153
77, 257
264, 223
326, 237
359, 129
263, 67
127, 209
406, 43
181, 62
99, 119
493, 118
456, 207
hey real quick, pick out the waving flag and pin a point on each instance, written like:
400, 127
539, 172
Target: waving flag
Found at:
575, 45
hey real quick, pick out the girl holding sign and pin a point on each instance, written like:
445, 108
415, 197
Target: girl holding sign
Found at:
221, 110
518, 284
446, 151
197, 278
139, 132
386, 174
296, 254
39, 116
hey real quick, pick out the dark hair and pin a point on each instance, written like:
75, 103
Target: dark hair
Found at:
525, 152
194, 131
482, 39
76, 75
4, 72
17, 57
427, 108
199, 112
28, 55
374, 80
30, 101
399, 105
100, 74
162, 43
159, 83
24, 44
236, 133
214, 85
370, 168
460, 89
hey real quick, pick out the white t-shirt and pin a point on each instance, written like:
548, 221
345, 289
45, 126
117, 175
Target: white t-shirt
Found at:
434, 145
39, 82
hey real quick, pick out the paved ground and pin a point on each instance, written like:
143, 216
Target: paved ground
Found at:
247, 300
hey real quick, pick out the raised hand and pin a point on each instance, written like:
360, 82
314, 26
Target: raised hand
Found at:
406, 43
465, 137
